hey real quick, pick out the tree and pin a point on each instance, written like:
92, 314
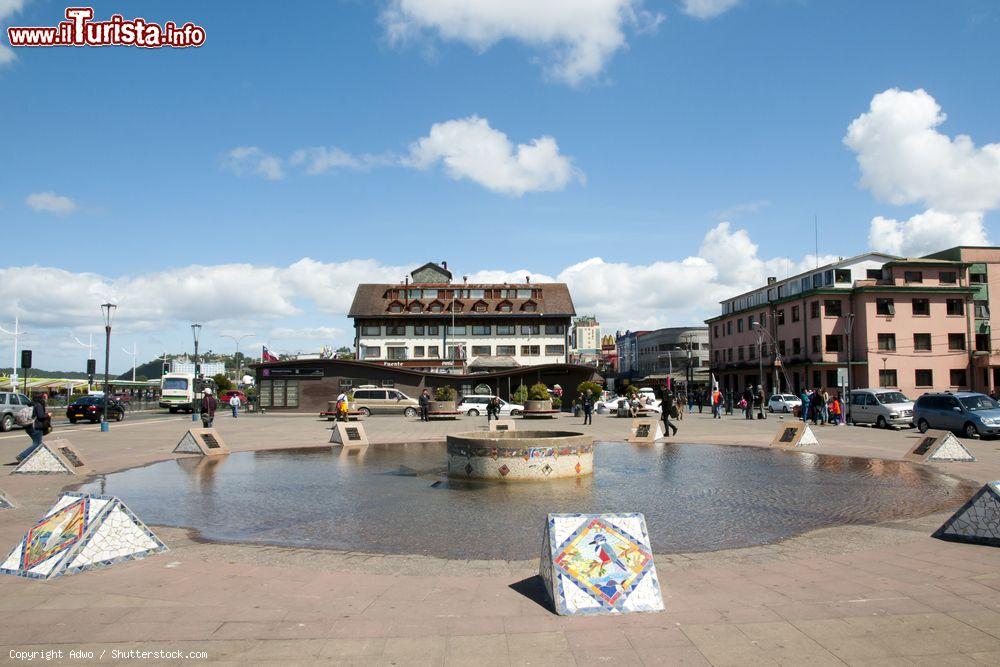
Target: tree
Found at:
222, 382
343, 352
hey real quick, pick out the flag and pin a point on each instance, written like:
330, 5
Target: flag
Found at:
267, 356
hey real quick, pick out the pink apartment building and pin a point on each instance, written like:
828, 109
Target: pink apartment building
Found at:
879, 320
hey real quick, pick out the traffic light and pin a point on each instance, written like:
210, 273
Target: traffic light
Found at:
25, 358
91, 369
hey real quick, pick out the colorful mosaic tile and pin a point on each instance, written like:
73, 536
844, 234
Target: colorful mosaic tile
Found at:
978, 521
595, 564
5, 502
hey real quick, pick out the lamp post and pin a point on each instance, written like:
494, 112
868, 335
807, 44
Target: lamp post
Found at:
196, 332
134, 354
239, 359
90, 355
850, 362
108, 309
13, 365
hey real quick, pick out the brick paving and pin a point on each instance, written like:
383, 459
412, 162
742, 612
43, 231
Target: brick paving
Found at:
881, 595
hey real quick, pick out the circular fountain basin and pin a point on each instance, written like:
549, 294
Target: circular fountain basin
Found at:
520, 455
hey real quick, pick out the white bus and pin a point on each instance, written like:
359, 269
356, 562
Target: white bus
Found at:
181, 391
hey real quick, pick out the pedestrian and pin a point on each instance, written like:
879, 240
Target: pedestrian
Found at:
761, 400
587, 403
35, 425
678, 401
716, 404
493, 409
806, 402
700, 400
690, 402
208, 406
748, 402
816, 406
835, 411
826, 407
667, 407
425, 403
234, 403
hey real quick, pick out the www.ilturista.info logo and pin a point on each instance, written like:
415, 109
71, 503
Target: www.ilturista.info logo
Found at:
81, 30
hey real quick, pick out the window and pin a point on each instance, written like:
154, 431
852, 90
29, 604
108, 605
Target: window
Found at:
956, 307
433, 330
956, 341
982, 309
504, 307
433, 351
815, 344
729, 328
455, 352
555, 350
796, 346
419, 351
834, 343
921, 307
505, 351
817, 280
922, 342
529, 307
762, 319
435, 307
739, 325
752, 350
482, 351
982, 342
887, 342
887, 377
456, 330
729, 354
419, 330
781, 347
842, 275
813, 309
715, 331
977, 278
481, 329
530, 351
831, 378
873, 274
555, 329
780, 316
530, 329
924, 377
371, 352
477, 294
833, 307
948, 277
506, 330
368, 330
479, 306
416, 307
395, 307
396, 353
817, 378
739, 353
913, 276
885, 307
524, 294
395, 330
795, 313
957, 377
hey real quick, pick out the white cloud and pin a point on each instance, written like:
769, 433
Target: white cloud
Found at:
471, 149
252, 161
7, 9
904, 159
321, 159
327, 334
708, 9
578, 37
926, 232
50, 202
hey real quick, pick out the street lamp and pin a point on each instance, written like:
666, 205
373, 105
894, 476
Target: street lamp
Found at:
239, 359
108, 309
196, 332
13, 366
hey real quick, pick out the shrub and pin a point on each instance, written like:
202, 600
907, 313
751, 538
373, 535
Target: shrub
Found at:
222, 382
595, 390
556, 402
538, 392
445, 394
520, 394
630, 390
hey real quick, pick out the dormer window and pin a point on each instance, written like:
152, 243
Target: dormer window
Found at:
480, 306
435, 307
529, 306
505, 306
457, 307
416, 307
395, 307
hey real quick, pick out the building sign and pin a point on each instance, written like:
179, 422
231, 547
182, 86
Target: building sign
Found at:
298, 373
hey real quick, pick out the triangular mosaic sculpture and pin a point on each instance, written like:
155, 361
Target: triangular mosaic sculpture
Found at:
951, 449
81, 532
599, 564
48, 460
204, 441
5, 502
808, 438
978, 521
187, 445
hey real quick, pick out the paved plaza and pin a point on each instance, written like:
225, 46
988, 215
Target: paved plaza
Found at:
885, 594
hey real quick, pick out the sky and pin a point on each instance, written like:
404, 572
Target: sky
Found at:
656, 155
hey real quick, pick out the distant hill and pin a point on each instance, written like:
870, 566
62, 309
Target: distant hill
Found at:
41, 373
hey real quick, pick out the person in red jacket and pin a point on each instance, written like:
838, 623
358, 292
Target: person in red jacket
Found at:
208, 405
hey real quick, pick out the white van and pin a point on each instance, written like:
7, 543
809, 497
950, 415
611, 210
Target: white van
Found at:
883, 407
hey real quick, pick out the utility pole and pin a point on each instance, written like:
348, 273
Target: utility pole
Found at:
13, 364
238, 358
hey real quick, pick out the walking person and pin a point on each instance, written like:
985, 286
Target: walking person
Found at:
208, 406
690, 402
35, 428
701, 401
587, 403
493, 409
761, 400
234, 403
425, 403
667, 406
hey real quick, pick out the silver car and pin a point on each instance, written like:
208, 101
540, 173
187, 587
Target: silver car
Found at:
884, 408
9, 404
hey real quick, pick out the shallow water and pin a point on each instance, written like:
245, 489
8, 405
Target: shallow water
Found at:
396, 498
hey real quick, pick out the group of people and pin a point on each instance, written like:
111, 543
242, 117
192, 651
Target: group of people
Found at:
753, 398
821, 408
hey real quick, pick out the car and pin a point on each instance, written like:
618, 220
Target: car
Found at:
783, 403
91, 408
967, 412
383, 401
224, 396
11, 402
476, 405
884, 408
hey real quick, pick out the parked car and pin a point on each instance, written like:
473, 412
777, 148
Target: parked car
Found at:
9, 404
91, 408
882, 407
969, 413
783, 403
224, 396
476, 405
384, 402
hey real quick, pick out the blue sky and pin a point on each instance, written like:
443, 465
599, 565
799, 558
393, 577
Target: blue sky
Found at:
737, 117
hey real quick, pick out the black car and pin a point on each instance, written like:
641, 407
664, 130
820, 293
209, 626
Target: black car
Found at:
91, 408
